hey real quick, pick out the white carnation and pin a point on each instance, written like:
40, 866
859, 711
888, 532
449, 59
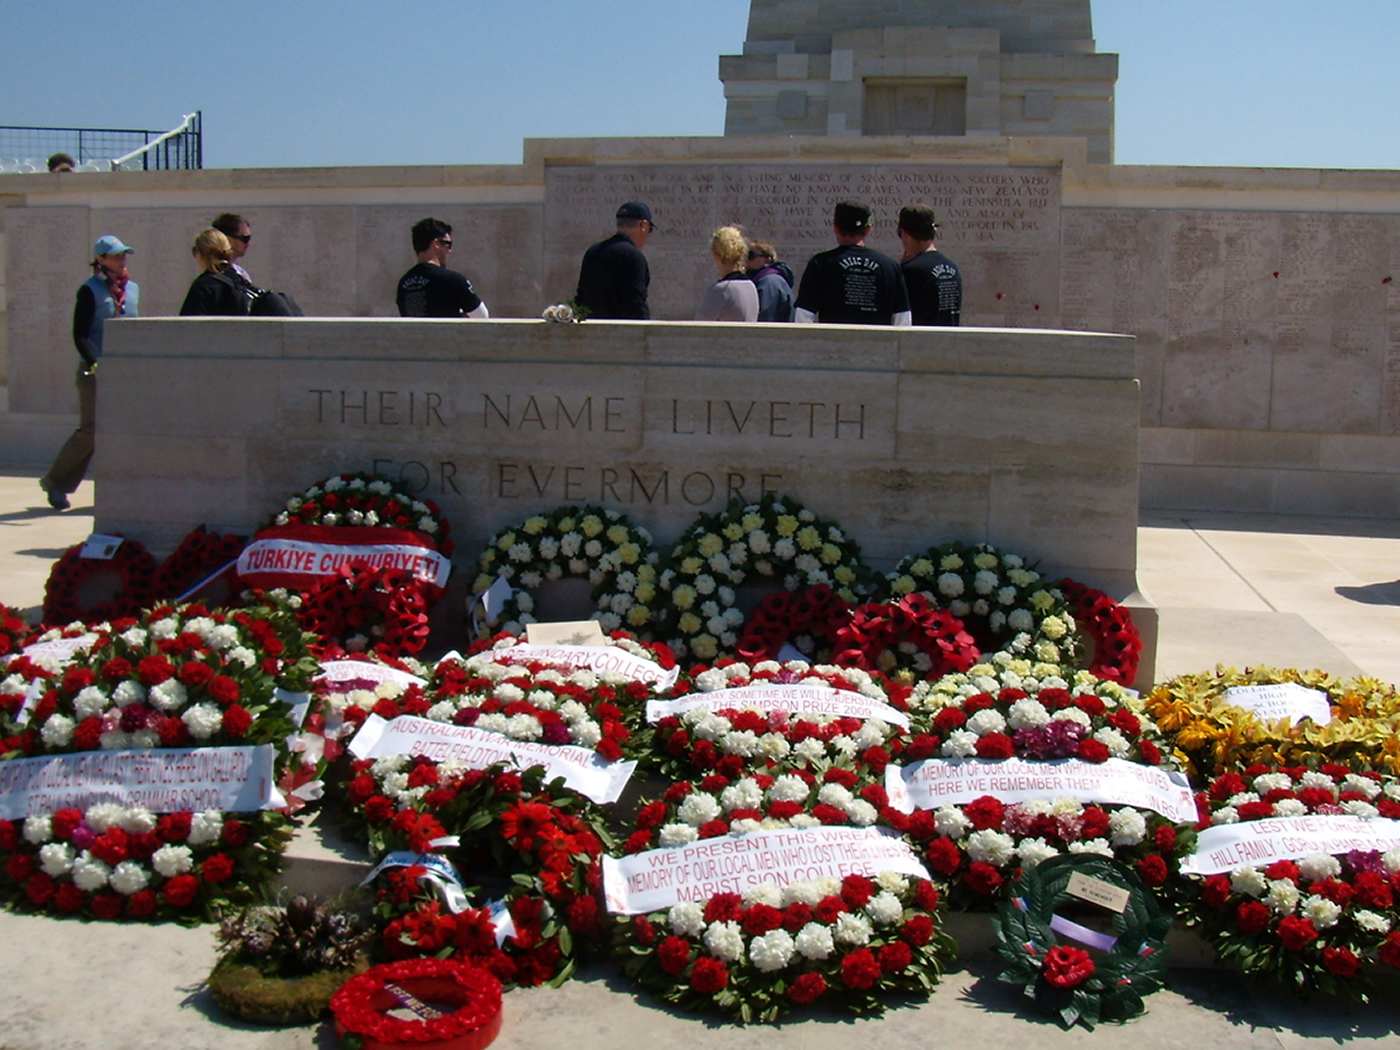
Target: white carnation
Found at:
814, 941
772, 950
687, 919
725, 941
129, 877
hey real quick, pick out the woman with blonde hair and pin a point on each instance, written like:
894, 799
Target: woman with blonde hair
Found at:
218, 291
733, 297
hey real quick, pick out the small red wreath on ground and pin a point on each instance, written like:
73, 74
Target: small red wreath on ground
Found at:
908, 633
380, 610
363, 1005
75, 589
816, 613
1117, 643
200, 553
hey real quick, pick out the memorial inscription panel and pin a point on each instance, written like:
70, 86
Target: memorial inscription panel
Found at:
1245, 320
1001, 224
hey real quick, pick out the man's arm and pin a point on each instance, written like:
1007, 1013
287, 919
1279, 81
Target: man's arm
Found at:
633, 280
84, 310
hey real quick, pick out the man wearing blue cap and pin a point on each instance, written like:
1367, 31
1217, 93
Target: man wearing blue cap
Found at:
108, 293
614, 277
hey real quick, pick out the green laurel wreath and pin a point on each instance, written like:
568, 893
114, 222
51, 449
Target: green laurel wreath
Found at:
1119, 979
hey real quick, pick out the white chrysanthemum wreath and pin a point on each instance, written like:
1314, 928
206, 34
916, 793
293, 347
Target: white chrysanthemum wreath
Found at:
997, 596
776, 538
602, 545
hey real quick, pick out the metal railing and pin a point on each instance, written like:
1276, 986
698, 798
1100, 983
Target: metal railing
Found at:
105, 149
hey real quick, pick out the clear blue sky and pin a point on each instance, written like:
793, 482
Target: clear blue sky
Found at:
294, 82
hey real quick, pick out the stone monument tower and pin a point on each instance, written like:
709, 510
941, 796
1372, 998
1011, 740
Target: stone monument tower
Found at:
922, 67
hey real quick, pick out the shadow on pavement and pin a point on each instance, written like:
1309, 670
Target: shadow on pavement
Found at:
1372, 593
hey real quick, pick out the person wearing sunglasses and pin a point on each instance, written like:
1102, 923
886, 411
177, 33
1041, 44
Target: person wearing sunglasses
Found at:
240, 235
430, 289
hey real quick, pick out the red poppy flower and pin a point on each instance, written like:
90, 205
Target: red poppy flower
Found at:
1067, 967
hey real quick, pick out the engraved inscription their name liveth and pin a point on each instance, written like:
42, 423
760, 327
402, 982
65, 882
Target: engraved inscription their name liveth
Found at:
579, 414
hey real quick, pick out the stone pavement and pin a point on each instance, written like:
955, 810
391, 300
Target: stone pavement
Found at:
1233, 588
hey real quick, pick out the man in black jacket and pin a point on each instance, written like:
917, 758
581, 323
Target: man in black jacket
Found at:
614, 277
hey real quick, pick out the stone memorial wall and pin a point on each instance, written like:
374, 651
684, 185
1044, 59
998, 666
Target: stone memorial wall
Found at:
906, 437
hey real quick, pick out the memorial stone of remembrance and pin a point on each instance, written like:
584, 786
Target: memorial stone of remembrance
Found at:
1265, 374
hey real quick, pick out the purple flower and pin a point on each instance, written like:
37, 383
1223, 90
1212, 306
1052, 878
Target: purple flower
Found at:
135, 717
556, 733
83, 836
1366, 860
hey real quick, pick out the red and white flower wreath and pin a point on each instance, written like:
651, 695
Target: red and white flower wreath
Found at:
734, 741
842, 942
1311, 921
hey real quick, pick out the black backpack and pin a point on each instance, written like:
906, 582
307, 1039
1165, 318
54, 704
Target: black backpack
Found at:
263, 303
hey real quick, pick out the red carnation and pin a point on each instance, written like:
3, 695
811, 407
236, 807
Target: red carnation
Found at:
218, 868
637, 842
69, 898
223, 689
1152, 869
724, 907
361, 788
1389, 953
1164, 838
142, 904
918, 931
674, 954
235, 833
9, 835
77, 678
926, 895
1150, 752
644, 930
947, 720
40, 889
115, 669
1341, 962
759, 919
983, 879
20, 866
110, 847
895, 957
1295, 932
709, 977
985, 813
943, 856
152, 670
856, 890
807, 989
196, 673
237, 721
1091, 750
1216, 891
108, 906
1093, 823
796, 915
1252, 917
859, 969
1283, 869
995, 746
652, 815
173, 827
829, 909
88, 735
1067, 967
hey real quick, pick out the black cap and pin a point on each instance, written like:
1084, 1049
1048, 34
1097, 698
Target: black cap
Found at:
634, 210
851, 215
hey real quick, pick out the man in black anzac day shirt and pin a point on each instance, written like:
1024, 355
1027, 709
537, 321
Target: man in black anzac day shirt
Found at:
614, 277
933, 280
430, 289
852, 284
